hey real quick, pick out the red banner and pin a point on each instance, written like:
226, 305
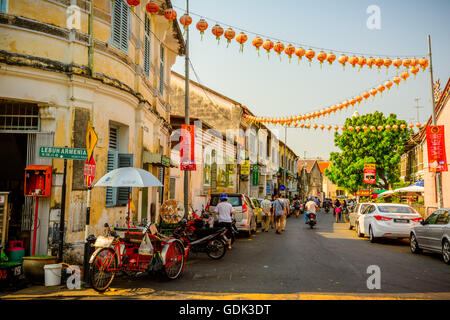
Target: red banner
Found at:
437, 160
187, 148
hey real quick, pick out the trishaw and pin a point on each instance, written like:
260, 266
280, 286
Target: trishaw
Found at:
119, 251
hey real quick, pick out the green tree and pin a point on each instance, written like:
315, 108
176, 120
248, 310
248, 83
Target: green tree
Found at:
384, 148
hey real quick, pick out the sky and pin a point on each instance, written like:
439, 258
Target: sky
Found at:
274, 88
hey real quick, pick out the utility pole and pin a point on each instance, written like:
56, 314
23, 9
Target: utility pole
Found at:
433, 116
418, 107
186, 115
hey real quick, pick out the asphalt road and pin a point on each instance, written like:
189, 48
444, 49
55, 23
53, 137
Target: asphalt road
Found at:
327, 259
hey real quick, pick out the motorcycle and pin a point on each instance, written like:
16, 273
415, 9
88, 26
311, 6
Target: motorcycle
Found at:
211, 241
311, 220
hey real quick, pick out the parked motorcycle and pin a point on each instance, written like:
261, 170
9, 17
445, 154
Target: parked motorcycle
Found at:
211, 241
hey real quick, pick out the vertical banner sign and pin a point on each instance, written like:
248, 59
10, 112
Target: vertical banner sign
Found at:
255, 175
89, 172
245, 168
187, 149
437, 159
369, 173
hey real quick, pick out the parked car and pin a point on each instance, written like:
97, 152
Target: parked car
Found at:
258, 210
245, 215
388, 220
433, 234
354, 215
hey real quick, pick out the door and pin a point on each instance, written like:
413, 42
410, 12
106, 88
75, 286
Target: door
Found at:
366, 218
425, 231
437, 230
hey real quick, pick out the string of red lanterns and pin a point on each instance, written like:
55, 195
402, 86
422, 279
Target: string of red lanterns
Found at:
378, 90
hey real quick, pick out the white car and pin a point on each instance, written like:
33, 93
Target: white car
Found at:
388, 220
353, 216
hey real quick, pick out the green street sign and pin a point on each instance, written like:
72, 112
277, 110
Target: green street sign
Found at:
63, 153
165, 161
255, 175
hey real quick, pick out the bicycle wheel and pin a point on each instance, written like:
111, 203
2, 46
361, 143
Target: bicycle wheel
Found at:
101, 270
174, 260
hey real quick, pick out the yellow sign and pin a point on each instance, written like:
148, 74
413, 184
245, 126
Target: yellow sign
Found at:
245, 167
369, 166
91, 140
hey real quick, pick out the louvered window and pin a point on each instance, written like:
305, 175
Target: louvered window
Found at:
147, 47
117, 196
161, 71
120, 29
3, 5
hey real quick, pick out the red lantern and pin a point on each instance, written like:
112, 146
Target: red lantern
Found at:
380, 128
373, 92
405, 75
397, 63
343, 60
300, 52
331, 57
423, 63
310, 54
414, 70
257, 42
379, 63
170, 15
403, 126
289, 50
366, 95
387, 63
370, 62
353, 61
406, 63
241, 38
336, 128
133, 3
395, 127
357, 128
229, 35
268, 45
365, 128
381, 88
217, 31
202, 25
359, 99
322, 56
152, 8
361, 61
388, 127
185, 20
388, 84
397, 80
278, 47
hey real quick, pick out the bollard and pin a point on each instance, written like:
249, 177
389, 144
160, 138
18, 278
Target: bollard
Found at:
88, 251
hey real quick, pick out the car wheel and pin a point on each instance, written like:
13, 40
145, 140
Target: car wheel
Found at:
358, 231
446, 251
371, 236
413, 244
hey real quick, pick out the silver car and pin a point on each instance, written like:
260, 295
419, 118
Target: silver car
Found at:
354, 214
433, 234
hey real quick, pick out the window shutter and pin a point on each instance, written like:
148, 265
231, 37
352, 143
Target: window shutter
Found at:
120, 28
147, 47
111, 193
161, 69
124, 160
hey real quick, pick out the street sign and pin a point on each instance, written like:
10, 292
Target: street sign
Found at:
282, 187
63, 153
89, 172
369, 173
91, 140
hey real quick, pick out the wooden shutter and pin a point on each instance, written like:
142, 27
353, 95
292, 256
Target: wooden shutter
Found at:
147, 47
161, 70
120, 29
124, 160
111, 193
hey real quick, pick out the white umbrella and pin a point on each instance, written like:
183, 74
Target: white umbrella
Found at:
128, 177
410, 189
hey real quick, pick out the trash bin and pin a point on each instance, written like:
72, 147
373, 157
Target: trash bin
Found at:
52, 274
16, 251
88, 251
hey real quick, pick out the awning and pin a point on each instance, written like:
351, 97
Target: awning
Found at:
157, 159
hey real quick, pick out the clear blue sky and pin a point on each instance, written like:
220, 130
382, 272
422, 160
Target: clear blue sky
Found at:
275, 89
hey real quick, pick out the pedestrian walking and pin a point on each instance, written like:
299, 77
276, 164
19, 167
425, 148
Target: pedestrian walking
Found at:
279, 208
284, 217
337, 210
266, 206
225, 211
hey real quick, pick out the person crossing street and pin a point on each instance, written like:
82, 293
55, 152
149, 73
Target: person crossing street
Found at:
266, 206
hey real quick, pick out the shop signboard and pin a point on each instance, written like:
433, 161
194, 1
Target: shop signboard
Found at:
245, 168
437, 159
369, 173
364, 193
187, 148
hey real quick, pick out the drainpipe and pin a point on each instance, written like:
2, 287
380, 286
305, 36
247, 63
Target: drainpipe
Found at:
91, 38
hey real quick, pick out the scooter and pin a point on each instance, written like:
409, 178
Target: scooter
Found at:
311, 220
212, 241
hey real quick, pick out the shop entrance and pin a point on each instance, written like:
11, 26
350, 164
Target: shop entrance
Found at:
13, 159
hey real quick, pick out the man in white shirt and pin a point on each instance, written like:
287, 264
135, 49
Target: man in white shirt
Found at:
266, 204
311, 207
225, 211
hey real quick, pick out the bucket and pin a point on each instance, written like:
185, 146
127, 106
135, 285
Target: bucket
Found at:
52, 274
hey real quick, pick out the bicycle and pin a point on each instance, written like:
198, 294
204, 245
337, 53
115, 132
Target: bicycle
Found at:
115, 254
